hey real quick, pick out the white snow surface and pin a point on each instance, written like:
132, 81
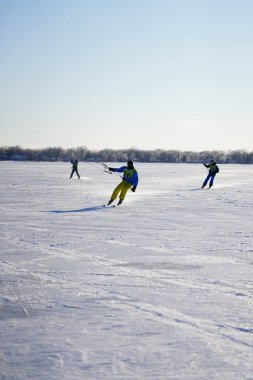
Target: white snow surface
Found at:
158, 288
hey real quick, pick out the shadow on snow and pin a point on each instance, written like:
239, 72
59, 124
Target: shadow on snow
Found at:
86, 209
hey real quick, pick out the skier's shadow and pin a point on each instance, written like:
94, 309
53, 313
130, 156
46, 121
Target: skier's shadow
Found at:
86, 209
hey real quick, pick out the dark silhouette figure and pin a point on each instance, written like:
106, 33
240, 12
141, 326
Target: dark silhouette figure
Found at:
74, 168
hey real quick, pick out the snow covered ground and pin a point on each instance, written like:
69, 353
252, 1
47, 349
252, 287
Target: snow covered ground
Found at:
158, 288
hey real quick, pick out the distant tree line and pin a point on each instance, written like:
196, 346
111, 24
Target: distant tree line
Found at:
121, 155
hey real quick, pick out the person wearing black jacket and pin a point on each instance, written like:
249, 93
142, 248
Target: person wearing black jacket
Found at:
213, 170
74, 168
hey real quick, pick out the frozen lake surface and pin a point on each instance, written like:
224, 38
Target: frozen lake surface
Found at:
159, 288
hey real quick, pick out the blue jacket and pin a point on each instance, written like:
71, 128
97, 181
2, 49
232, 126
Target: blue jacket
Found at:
129, 175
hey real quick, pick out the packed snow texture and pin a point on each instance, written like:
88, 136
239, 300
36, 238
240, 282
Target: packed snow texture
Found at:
159, 288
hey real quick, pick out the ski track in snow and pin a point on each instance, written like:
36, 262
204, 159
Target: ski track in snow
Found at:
158, 288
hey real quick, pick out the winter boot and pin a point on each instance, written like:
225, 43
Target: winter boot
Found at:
110, 201
120, 201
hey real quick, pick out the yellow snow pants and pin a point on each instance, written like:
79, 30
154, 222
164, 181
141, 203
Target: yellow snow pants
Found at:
122, 188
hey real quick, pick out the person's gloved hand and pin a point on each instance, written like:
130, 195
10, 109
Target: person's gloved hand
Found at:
133, 189
111, 169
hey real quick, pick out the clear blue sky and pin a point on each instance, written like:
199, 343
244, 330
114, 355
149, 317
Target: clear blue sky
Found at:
171, 74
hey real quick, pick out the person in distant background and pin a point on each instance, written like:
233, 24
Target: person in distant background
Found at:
74, 168
213, 170
130, 180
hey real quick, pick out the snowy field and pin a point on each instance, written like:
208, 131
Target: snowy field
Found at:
158, 288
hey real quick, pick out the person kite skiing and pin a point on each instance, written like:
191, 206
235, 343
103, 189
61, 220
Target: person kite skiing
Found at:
213, 170
74, 163
129, 181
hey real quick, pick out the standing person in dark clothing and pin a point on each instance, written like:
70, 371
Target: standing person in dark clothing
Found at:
74, 168
213, 170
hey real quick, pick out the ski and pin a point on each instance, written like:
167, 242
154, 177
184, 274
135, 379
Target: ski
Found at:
111, 205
